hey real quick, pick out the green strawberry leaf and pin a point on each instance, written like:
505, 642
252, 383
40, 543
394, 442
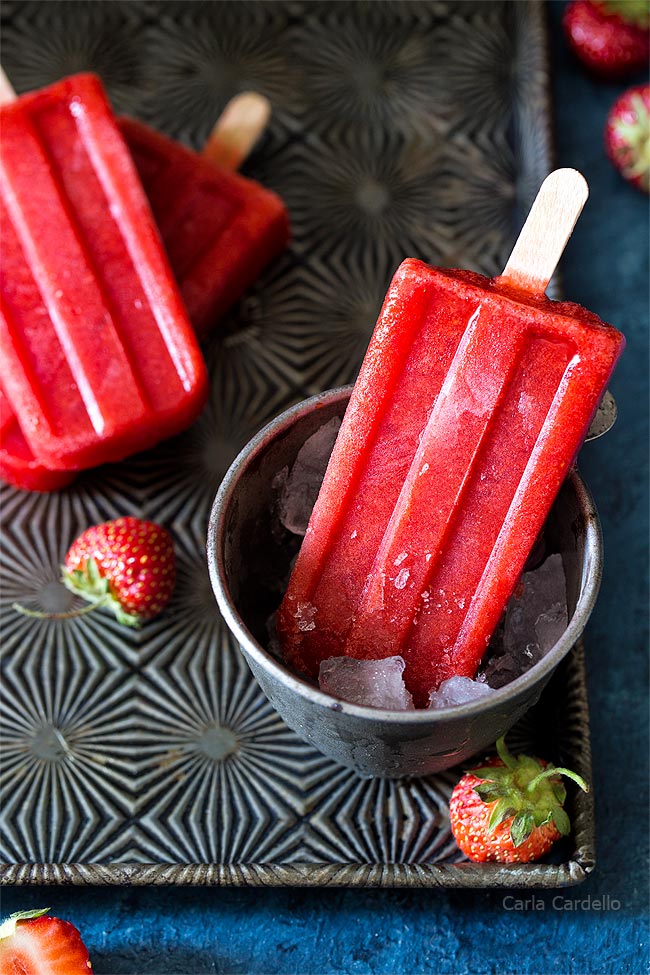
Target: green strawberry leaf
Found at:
29, 915
522, 827
559, 792
94, 577
561, 820
542, 818
502, 751
494, 773
526, 790
502, 810
8, 926
634, 12
489, 791
96, 589
530, 765
121, 615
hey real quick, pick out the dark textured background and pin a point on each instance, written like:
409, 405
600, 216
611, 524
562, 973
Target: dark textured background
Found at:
301, 931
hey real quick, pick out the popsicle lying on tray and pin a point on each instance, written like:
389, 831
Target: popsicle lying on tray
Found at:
472, 401
220, 229
98, 357
231, 227
18, 466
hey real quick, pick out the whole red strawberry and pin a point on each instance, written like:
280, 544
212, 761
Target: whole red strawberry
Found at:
32, 944
610, 37
127, 565
627, 136
511, 810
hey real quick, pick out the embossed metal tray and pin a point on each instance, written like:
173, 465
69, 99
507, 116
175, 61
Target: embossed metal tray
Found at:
399, 129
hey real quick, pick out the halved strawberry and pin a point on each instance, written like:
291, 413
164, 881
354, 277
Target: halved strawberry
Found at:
33, 944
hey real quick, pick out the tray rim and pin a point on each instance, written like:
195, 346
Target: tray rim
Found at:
363, 875
389, 875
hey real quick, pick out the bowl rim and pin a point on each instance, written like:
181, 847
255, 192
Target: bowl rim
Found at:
591, 575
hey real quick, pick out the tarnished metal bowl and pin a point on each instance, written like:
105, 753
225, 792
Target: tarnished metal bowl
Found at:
249, 560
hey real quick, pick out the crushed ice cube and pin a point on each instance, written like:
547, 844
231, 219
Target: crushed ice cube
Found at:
542, 601
373, 683
458, 690
299, 491
550, 626
534, 622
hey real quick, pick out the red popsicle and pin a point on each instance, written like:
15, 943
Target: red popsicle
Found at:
220, 229
98, 358
207, 200
472, 401
18, 466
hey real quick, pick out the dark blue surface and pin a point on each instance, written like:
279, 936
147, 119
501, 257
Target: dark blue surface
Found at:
284, 931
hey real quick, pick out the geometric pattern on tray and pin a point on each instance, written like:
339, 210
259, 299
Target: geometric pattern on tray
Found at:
399, 129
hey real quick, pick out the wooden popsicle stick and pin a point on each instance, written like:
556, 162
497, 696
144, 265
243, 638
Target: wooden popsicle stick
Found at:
234, 134
544, 236
540, 246
237, 129
7, 91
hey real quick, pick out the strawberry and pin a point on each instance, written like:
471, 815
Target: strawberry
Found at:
627, 136
126, 565
511, 809
610, 37
32, 944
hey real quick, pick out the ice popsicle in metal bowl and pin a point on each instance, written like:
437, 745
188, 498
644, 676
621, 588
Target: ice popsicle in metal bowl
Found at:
398, 507
471, 404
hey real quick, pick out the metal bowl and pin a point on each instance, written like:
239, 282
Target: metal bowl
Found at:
249, 557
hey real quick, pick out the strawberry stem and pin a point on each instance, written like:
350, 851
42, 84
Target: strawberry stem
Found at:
504, 754
552, 770
91, 585
69, 615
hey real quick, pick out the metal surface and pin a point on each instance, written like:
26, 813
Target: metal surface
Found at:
605, 417
153, 757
